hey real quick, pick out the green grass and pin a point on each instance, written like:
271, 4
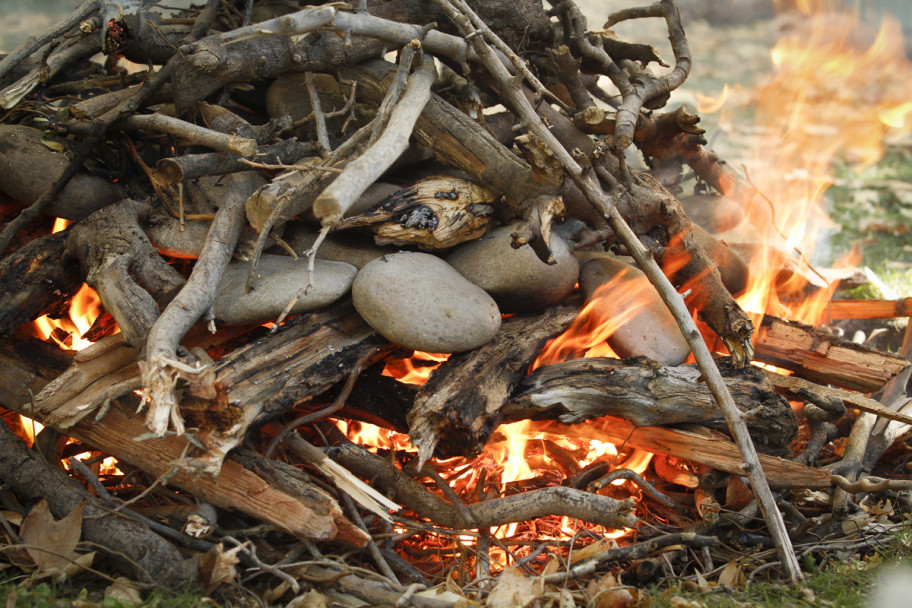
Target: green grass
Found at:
873, 208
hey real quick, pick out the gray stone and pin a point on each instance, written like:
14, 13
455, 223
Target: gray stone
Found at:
352, 248
419, 301
516, 279
279, 278
646, 326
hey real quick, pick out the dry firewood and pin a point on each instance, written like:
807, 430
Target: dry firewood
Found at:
134, 549
335, 200
869, 309
559, 500
161, 366
26, 366
69, 52
460, 142
301, 47
38, 279
34, 42
113, 249
97, 106
789, 385
648, 394
724, 315
307, 512
174, 170
817, 355
192, 134
458, 408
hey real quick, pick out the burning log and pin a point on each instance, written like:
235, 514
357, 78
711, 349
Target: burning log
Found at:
817, 355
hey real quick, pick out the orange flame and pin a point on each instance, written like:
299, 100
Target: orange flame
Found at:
84, 309
415, 369
588, 334
834, 95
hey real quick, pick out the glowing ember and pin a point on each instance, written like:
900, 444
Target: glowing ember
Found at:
416, 369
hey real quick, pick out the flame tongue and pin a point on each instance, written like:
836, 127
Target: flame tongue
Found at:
835, 93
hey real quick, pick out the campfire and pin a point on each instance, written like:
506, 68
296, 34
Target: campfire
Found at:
426, 305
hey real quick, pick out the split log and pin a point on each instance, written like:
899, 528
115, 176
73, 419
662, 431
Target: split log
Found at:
149, 557
456, 410
699, 445
302, 359
647, 394
817, 355
869, 309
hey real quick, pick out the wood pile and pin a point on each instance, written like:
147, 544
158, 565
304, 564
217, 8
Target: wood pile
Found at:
290, 200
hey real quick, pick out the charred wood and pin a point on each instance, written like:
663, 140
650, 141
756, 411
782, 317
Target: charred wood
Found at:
648, 394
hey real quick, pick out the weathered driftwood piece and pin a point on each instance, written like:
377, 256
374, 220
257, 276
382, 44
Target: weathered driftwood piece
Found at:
149, 557
648, 394
112, 247
38, 279
819, 356
456, 410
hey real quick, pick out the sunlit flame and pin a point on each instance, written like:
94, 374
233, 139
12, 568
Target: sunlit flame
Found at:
710, 105
830, 98
31, 428
589, 333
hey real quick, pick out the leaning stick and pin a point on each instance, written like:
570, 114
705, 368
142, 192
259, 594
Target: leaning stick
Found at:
598, 198
222, 142
332, 203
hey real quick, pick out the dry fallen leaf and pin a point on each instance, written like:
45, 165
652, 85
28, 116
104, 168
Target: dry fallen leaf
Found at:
514, 590
311, 599
123, 590
732, 575
607, 593
217, 566
51, 544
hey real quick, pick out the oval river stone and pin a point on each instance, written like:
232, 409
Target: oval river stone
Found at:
419, 301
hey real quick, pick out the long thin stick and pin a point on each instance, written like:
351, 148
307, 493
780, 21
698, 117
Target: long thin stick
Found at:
644, 259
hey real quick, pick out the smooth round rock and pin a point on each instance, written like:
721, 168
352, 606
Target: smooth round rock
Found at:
351, 248
421, 302
516, 279
714, 213
279, 278
625, 295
